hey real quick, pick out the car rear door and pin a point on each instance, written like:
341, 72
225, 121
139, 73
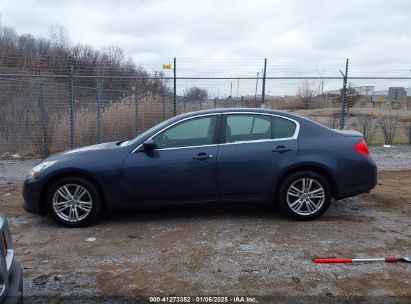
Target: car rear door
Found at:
183, 167
254, 149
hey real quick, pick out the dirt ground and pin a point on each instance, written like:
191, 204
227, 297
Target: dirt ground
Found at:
225, 250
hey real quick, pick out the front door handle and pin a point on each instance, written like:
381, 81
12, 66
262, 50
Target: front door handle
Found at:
281, 149
202, 156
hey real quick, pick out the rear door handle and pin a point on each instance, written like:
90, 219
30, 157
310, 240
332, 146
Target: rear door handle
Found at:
281, 149
202, 156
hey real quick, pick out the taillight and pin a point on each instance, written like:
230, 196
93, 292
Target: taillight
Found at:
361, 147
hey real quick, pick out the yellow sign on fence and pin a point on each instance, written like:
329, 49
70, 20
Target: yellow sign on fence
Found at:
167, 66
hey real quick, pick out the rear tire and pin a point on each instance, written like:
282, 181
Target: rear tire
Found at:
304, 195
74, 202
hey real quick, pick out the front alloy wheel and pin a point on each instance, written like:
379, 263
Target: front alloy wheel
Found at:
74, 202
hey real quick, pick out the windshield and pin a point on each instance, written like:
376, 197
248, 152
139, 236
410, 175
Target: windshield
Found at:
145, 133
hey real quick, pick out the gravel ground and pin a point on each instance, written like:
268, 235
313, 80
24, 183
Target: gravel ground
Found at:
222, 250
12, 171
396, 157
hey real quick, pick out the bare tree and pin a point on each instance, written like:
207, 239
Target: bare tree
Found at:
388, 124
352, 96
306, 93
58, 36
365, 123
43, 133
196, 94
406, 128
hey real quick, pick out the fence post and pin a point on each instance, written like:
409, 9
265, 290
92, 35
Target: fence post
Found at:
99, 126
164, 106
264, 75
71, 88
344, 96
242, 101
137, 105
175, 89
42, 100
215, 102
44, 126
256, 87
185, 103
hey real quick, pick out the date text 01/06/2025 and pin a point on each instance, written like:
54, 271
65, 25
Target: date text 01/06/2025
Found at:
203, 299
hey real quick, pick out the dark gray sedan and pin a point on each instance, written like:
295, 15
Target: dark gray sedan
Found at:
219, 155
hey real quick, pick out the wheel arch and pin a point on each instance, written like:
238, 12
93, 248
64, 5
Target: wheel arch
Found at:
308, 167
67, 173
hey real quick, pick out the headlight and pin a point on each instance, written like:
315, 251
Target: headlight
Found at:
36, 170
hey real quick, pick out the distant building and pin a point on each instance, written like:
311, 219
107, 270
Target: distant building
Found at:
407, 92
365, 90
362, 90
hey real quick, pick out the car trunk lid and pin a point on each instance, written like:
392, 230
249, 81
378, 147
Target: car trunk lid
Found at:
350, 133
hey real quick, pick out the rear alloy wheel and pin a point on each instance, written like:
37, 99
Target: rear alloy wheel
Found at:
305, 195
74, 202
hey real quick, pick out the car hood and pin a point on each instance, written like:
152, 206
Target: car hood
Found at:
74, 153
103, 146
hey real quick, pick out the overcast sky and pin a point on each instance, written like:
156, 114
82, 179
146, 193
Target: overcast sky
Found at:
300, 31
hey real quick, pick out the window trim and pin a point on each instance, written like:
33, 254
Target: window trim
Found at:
217, 127
221, 125
224, 125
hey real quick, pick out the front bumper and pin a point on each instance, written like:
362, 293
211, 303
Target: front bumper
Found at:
31, 195
15, 293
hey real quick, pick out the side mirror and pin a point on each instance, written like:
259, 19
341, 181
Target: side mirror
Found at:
149, 145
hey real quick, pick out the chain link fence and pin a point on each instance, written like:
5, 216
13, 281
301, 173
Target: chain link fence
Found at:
45, 112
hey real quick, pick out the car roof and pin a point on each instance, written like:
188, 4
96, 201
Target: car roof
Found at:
237, 110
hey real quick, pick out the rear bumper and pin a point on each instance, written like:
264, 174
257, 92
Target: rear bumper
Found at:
15, 293
31, 195
355, 181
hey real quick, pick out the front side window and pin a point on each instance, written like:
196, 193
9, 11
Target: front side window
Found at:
193, 132
243, 127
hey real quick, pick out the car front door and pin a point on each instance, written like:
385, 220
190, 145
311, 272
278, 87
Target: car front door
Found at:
183, 166
254, 149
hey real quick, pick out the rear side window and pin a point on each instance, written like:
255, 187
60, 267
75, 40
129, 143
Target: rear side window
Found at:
244, 127
282, 128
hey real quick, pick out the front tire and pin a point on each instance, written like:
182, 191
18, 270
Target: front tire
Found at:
304, 195
74, 202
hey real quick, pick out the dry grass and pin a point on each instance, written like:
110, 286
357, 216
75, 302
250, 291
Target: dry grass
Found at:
285, 104
403, 115
119, 121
